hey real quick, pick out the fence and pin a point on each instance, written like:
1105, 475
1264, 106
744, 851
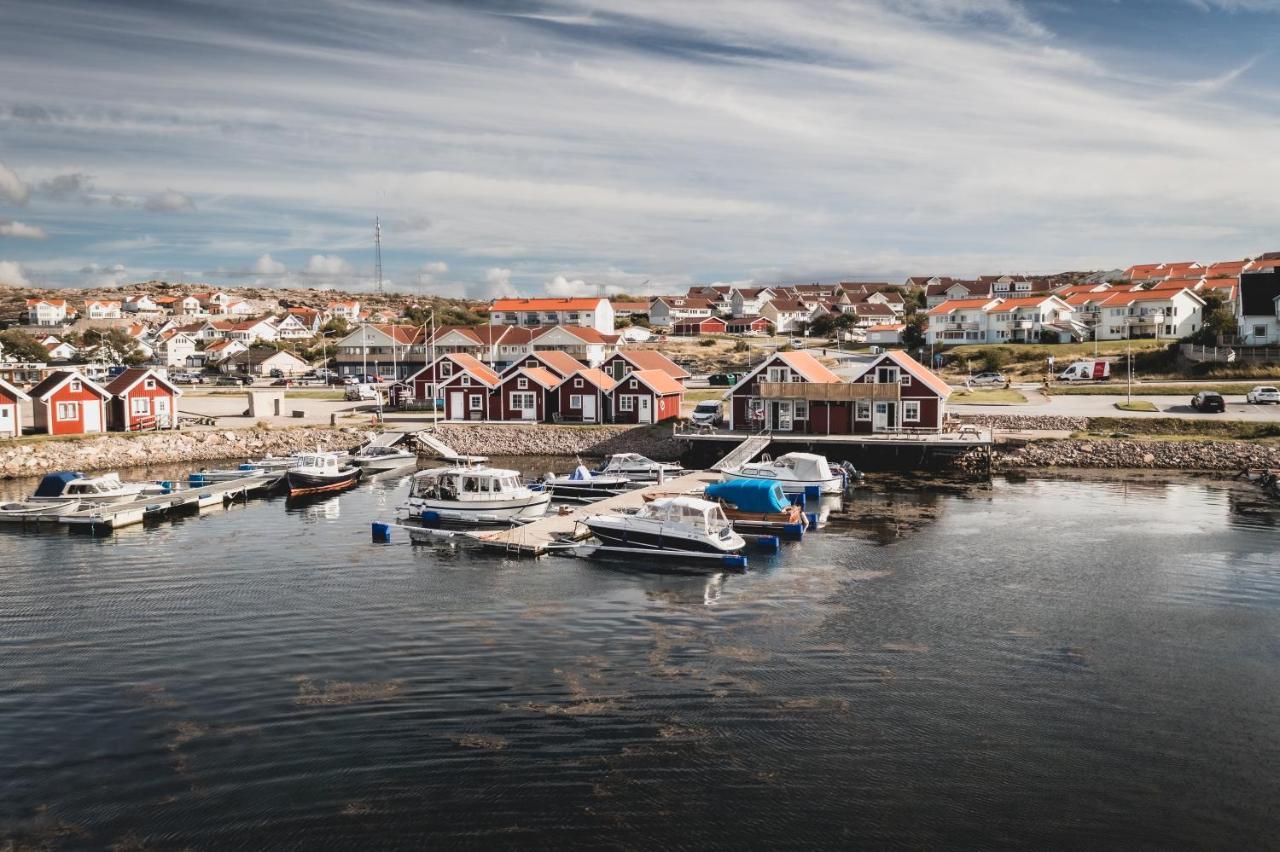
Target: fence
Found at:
1230, 354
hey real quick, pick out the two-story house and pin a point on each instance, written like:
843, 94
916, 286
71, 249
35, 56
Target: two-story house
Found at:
1149, 313
667, 311
1258, 310
594, 313
100, 309
48, 311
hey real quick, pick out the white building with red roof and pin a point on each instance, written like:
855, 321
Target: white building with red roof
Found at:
48, 311
1168, 313
588, 312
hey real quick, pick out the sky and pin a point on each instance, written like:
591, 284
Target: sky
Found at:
584, 146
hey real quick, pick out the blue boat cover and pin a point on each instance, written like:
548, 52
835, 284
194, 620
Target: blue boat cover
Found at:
580, 474
750, 495
53, 483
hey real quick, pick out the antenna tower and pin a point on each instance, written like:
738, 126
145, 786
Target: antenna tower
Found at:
377, 252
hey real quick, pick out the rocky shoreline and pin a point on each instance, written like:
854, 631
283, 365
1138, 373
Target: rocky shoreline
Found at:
516, 439
110, 451
1219, 456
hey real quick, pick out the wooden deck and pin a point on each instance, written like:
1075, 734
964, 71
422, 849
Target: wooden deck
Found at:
961, 439
533, 539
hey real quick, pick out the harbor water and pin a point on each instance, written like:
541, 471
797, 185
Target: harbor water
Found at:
1030, 663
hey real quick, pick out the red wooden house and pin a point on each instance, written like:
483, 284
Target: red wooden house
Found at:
629, 360
523, 394
919, 404
743, 325
11, 399
773, 396
426, 382
142, 399
558, 362
584, 396
465, 389
646, 396
705, 325
66, 403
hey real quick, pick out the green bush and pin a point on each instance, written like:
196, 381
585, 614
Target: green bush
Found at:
707, 341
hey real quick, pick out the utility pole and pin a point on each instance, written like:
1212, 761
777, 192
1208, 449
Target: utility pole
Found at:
1128, 351
377, 252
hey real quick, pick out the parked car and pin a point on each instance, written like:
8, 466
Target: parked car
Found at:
988, 378
1208, 401
277, 373
726, 380
709, 412
335, 380
1263, 395
238, 381
798, 342
282, 383
188, 378
325, 373
360, 393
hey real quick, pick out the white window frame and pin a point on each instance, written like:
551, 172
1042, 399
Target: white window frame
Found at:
139, 405
883, 374
904, 379
862, 409
76, 387
149, 384
800, 410
627, 402
67, 411
577, 383
575, 402
475, 402
911, 410
522, 384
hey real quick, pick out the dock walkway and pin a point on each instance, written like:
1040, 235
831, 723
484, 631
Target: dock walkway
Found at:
744, 452
535, 538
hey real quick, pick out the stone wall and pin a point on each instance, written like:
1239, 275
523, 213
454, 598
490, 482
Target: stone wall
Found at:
1229, 456
112, 450
1027, 422
493, 439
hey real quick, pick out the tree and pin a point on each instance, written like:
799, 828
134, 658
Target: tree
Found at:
913, 331
20, 346
115, 346
1218, 318
823, 326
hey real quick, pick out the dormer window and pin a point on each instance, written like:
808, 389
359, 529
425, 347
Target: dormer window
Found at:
887, 375
149, 384
75, 387
522, 384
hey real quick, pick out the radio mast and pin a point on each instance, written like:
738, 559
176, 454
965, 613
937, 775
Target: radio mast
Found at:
377, 251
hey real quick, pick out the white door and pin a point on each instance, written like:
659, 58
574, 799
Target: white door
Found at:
880, 417
7, 426
527, 405
645, 404
91, 416
781, 416
457, 405
588, 407
162, 412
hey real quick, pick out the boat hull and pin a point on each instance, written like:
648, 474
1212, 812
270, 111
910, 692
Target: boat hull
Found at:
301, 483
384, 463
833, 485
622, 536
479, 511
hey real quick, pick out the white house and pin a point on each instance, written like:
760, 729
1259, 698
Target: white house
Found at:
254, 330
666, 311
140, 303
291, 327
59, 350
1258, 310
175, 348
594, 313
747, 301
787, 314
1149, 313
347, 309
99, 309
47, 311
889, 334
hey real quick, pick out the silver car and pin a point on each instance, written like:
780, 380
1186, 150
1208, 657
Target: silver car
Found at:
988, 379
1263, 394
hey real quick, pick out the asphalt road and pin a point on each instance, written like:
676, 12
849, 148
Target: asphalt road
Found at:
1105, 406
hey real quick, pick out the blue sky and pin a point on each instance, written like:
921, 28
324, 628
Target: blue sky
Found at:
557, 147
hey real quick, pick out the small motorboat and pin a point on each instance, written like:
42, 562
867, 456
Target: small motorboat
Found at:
320, 473
375, 458
582, 484
797, 473
23, 509
101, 490
205, 476
757, 505
637, 468
472, 495
688, 524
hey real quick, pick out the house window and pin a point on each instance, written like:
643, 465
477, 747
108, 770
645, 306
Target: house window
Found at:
911, 410
777, 374
446, 369
475, 402
466, 380
887, 375
75, 387
905, 380
149, 384
577, 383
140, 405
522, 400
800, 410
864, 409
575, 401
634, 384
1259, 331
68, 411
626, 403
522, 384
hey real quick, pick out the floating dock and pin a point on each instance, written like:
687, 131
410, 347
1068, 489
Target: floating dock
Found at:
117, 515
536, 538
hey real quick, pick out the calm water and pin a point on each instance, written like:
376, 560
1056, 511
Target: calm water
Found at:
1065, 663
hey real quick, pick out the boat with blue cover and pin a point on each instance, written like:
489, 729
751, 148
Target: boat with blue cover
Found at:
583, 484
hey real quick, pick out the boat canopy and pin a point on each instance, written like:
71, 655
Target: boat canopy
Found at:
750, 495
580, 474
53, 484
810, 467
701, 514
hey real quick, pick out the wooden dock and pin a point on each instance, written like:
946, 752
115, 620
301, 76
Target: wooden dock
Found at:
117, 515
535, 538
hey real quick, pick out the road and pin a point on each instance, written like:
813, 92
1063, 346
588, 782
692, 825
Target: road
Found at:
1105, 406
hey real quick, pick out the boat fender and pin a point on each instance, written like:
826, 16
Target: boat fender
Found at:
813, 519
166, 487
793, 530
767, 543
381, 533
734, 561
430, 517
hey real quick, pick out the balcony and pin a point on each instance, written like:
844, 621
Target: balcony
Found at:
960, 326
1022, 325
830, 391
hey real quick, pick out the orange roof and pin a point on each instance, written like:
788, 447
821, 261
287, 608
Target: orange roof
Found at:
474, 366
652, 359
130, 377
890, 327
658, 381
1076, 299
559, 361
1022, 302
1144, 296
808, 366
541, 375
919, 372
597, 377
958, 304
545, 304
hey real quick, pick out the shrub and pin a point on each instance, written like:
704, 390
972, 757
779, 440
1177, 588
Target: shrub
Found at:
707, 341
741, 346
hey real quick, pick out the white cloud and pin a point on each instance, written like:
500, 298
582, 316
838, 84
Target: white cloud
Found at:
434, 268
11, 273
561, 286
496, 284
168, 201
21, 230
327, 264
12, 189
267, 265
103, 275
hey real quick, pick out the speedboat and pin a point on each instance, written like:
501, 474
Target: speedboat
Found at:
797, 473
374, 458
101, 490
637, 468
583, 484
320, 473
670, 524
472, 495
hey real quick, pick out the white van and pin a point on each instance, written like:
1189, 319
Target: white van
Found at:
360, 393
1086, 371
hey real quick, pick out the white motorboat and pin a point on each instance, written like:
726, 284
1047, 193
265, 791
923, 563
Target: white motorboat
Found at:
797, 473
23, 509
583, 484
375, 458
670, 524
321, 473
104, 490
637, 468
468, 494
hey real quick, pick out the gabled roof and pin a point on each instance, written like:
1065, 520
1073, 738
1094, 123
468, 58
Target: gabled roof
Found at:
686, 302
1016, 302
581, 304
652, 359
125, 382
541, 375
556, 361
586, 335
918, 371
656, 380
897, 326
58, 378
866, 309
595, 376
808, 366
472, 365
258, 354
14, 391
952, 305
1128, 298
